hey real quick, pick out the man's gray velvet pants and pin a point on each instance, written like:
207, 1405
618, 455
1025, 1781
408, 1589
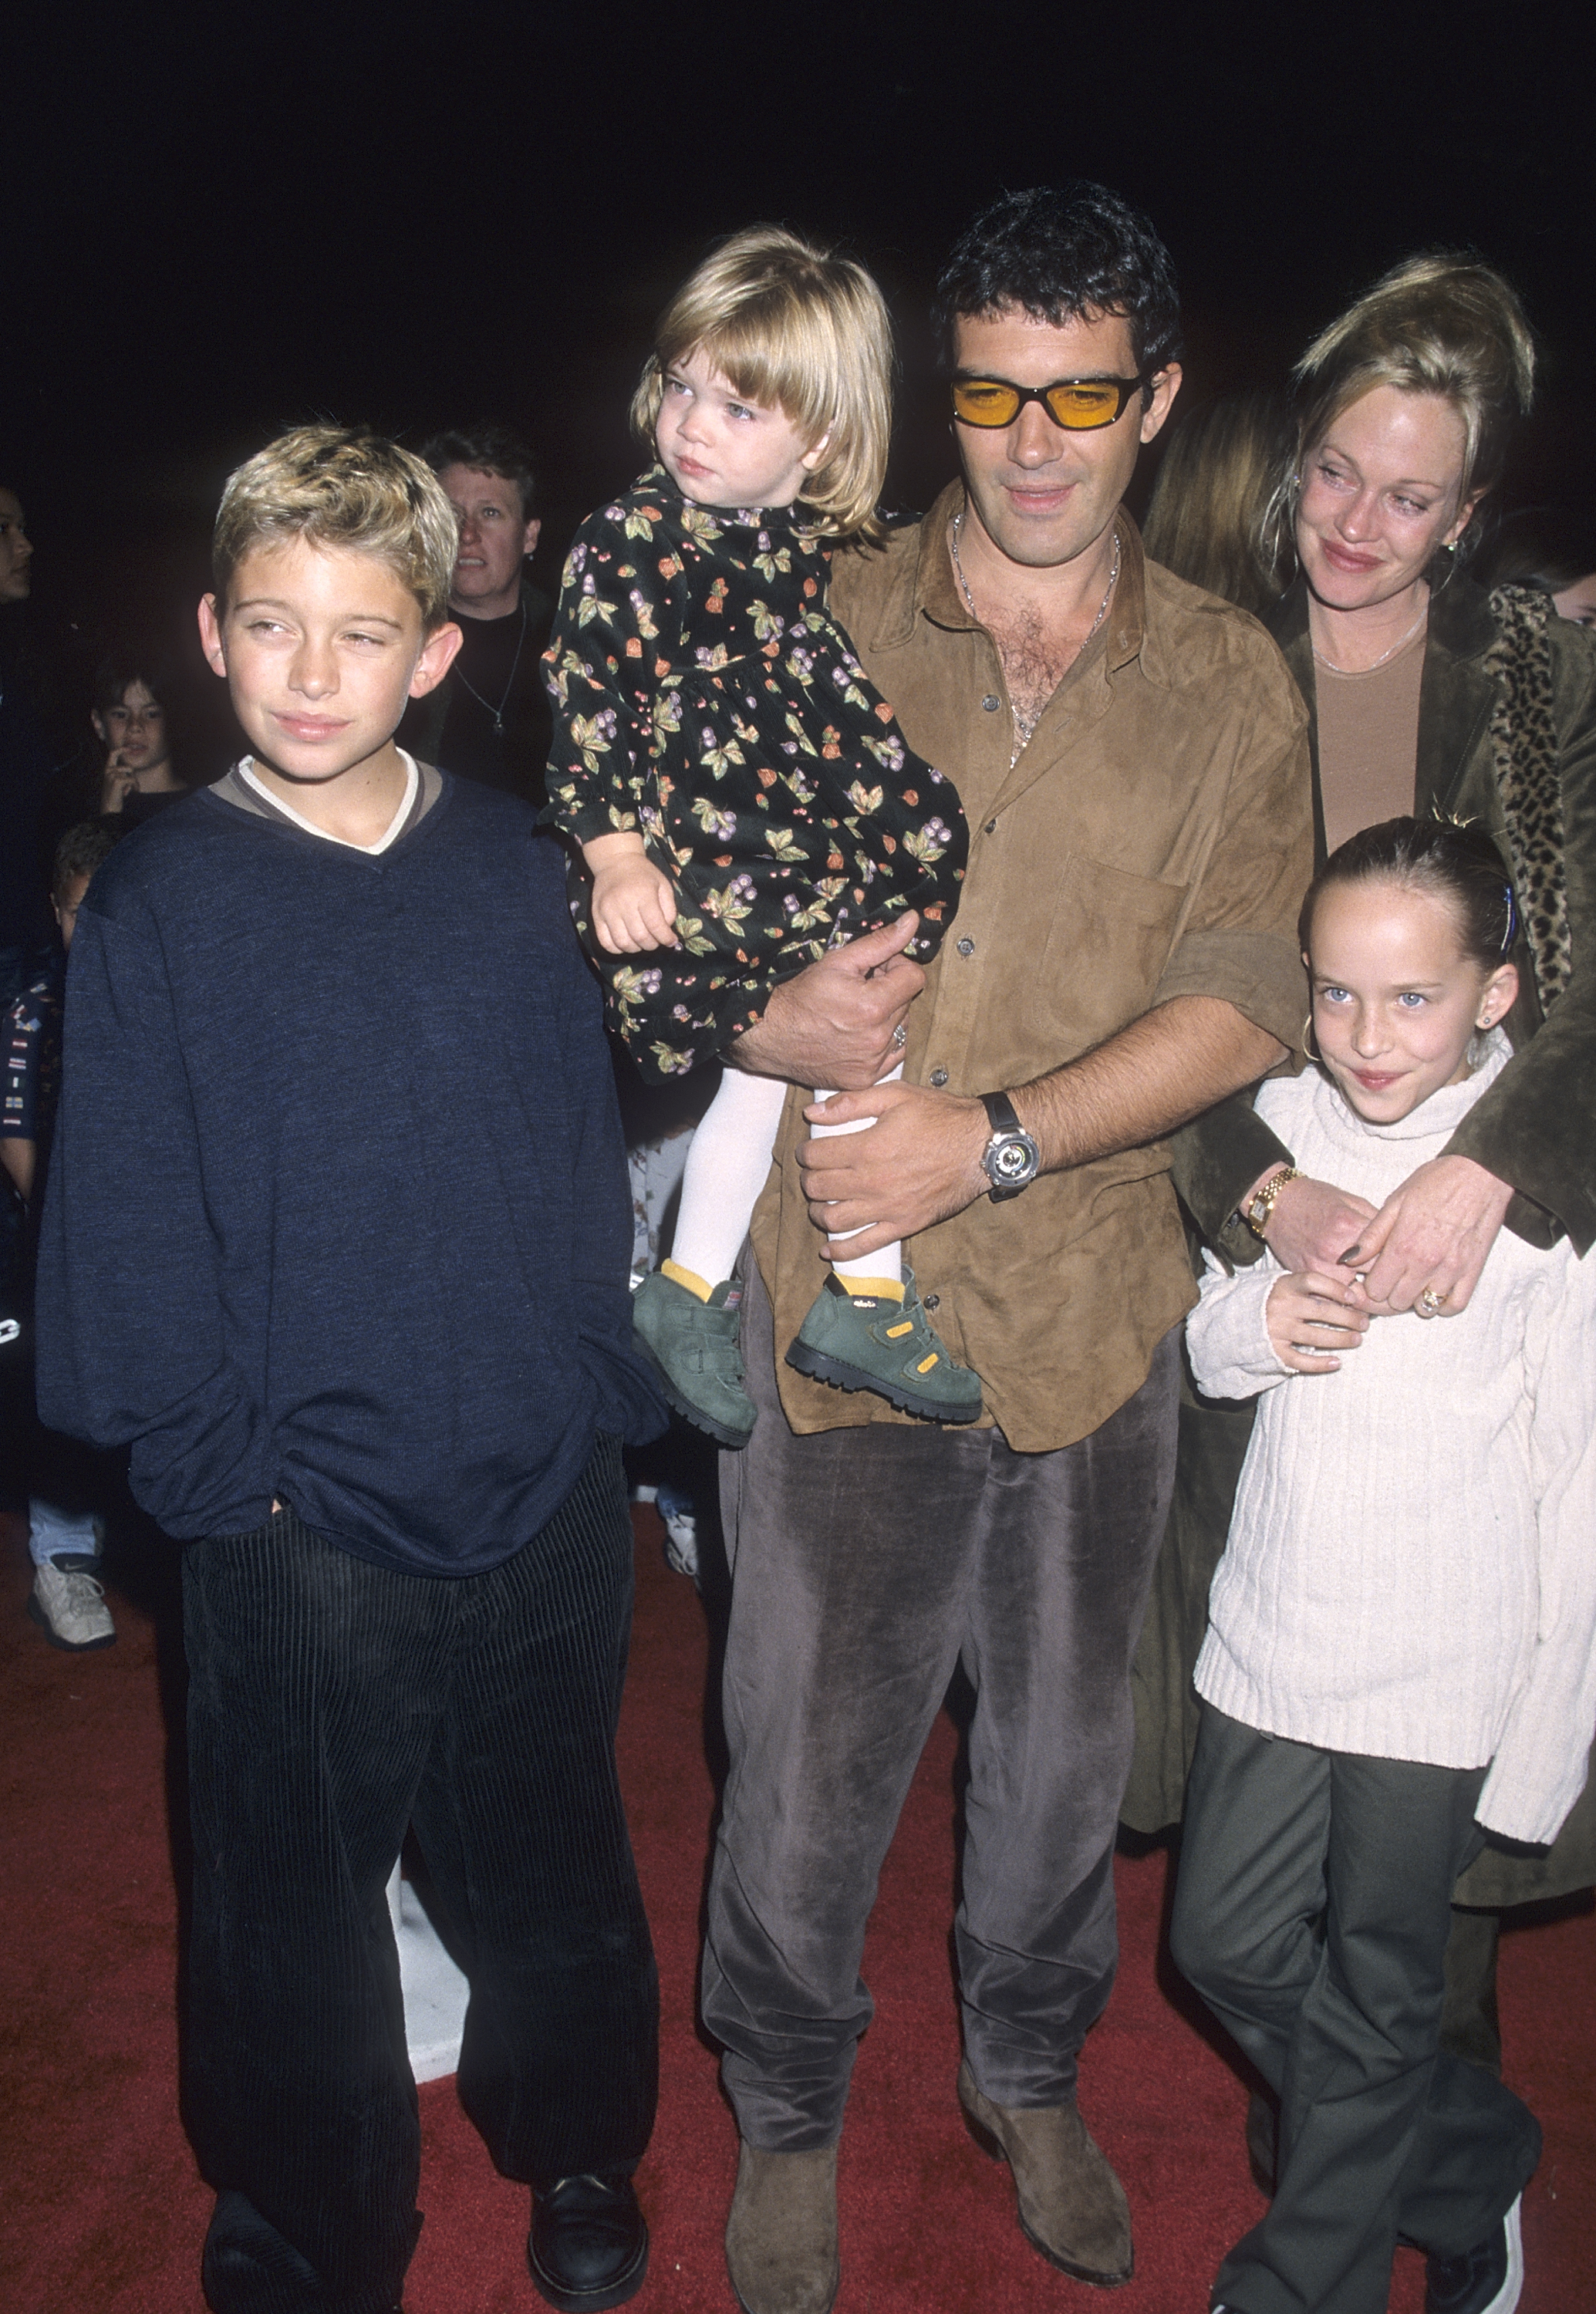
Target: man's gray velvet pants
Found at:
866, 1565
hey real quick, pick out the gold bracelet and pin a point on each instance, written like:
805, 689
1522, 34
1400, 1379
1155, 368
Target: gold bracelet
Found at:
1260, 1205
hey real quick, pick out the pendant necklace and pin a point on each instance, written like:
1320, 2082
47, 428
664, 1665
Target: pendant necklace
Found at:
1025, 725
498, 712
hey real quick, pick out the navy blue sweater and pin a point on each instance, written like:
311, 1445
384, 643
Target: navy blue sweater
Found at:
338, 1209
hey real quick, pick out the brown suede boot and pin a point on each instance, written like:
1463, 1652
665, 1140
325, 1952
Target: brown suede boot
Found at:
781, 2235
1072, 2207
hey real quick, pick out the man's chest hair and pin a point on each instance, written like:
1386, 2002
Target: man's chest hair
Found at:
1036, 658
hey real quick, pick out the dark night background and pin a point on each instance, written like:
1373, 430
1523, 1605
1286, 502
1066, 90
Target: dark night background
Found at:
217, 222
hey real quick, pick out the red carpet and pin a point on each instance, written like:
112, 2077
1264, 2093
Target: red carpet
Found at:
103, 2209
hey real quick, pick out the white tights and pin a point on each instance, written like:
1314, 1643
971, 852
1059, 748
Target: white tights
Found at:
727, 1166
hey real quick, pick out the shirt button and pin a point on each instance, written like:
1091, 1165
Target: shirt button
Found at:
991, 705
931, 1302
938, 1077
991, 826
966, 947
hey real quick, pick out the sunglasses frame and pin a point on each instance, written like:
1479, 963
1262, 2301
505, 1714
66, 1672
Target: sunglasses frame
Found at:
1124, 386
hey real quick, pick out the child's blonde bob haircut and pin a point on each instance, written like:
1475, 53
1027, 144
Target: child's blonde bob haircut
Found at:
332, 486
802, 331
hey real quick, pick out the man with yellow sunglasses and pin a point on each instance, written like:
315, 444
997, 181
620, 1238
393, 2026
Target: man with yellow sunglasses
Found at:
1131, 758
1079, 404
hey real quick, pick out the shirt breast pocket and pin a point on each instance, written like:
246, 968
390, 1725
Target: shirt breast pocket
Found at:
1108, 941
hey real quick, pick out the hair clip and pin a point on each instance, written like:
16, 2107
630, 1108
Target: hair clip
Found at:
1513, 918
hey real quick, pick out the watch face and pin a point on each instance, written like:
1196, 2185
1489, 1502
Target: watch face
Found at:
1011, 1162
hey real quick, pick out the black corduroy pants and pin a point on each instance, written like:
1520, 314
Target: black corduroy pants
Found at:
333, 1703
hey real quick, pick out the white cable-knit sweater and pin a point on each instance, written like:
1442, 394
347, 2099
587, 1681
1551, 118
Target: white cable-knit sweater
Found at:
1411, 1567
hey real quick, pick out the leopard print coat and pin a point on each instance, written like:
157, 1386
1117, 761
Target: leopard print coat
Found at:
1528, 779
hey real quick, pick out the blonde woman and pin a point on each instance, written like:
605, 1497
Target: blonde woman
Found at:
1429, 695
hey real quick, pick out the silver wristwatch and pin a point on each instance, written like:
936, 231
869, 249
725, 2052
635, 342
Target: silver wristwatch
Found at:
1011, 1158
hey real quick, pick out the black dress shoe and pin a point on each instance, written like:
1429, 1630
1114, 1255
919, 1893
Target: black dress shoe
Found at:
589, 2247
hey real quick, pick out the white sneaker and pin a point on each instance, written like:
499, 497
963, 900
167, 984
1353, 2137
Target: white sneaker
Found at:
69, 1608
680, 1520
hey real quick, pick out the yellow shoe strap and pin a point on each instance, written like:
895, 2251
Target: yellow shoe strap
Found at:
884, 1289
688, 1277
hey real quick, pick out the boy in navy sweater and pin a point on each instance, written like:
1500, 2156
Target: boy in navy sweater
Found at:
337, 1239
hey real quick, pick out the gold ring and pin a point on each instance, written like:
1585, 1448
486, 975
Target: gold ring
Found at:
1430, 1302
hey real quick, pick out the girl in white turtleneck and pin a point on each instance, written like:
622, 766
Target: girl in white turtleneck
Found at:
1400, 1651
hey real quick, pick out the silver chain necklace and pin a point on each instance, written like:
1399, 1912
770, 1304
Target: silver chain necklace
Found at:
1025, 725
498, 712
1373, 663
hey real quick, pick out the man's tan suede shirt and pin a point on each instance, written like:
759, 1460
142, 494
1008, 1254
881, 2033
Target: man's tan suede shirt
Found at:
1154, 840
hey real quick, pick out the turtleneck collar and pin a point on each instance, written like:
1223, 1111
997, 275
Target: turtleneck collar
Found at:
1437, 1118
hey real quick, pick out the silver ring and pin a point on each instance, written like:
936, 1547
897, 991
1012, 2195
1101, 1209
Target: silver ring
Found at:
900, 1036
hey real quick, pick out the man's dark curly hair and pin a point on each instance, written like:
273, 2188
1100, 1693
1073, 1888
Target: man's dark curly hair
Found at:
1057, 253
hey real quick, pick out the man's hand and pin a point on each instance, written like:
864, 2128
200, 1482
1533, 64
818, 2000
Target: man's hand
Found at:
833, 1023
634, 904
1425, 1248
1312, 1223
1310, 1318
919, 1161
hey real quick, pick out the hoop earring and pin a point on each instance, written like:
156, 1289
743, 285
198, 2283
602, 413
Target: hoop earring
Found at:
1308, 1053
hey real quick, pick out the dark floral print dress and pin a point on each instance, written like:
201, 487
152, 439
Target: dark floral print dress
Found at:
704, 697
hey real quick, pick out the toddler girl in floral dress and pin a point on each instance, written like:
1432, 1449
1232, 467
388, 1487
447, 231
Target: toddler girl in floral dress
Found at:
740, 796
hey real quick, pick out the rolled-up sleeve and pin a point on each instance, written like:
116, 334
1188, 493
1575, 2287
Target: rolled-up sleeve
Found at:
1239, 941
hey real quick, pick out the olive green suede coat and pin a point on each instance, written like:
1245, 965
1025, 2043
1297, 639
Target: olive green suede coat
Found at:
1536, 1128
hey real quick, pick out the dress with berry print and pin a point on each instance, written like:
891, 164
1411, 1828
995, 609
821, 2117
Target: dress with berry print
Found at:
705, 698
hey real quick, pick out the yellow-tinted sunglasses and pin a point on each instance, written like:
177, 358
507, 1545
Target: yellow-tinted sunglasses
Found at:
1076, 403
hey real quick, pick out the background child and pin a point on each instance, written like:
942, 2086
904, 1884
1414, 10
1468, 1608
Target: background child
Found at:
67, 1600
1399, 1650
375, 1374
741, 793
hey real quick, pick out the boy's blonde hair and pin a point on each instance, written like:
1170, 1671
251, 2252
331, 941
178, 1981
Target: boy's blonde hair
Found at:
334, 486
804, 331
1440, 324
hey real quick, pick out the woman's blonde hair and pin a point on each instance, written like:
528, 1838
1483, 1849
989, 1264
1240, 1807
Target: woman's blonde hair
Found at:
1441, 324
803, 330
1214, 484
334, 486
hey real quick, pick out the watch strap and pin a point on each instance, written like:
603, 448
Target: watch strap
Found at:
1001, 1113
1260, 1207
1006, 1127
